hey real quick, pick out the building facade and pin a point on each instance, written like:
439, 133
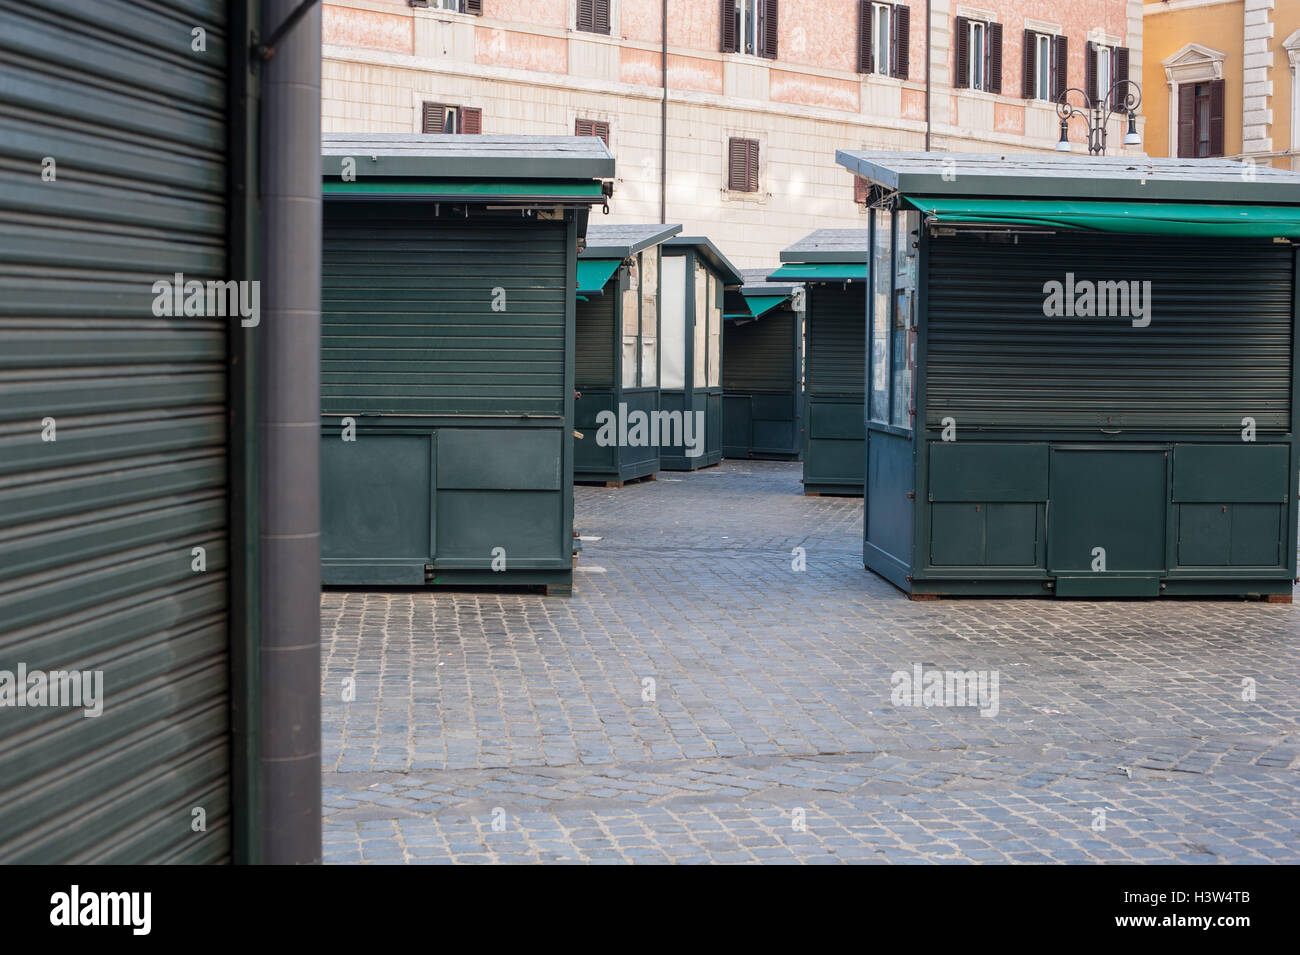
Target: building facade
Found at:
1222, 78
728, 120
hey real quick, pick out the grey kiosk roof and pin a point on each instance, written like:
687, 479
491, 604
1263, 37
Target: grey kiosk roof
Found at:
829, 245
621, 241
756, 283
1055, 176
711, 253
472, 157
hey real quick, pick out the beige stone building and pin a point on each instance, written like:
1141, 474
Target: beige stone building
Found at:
736, 137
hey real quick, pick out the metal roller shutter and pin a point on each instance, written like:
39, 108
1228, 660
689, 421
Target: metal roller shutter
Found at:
594, 342
836, 362
455, 352
97, 526
759, 356
1217, 349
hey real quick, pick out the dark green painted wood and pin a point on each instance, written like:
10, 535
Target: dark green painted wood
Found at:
835, 371
1230, 472
1113, 499
449, 342
98, 525
985, 471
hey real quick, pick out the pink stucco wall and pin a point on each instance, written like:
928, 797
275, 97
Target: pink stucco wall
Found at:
523, 51
550, 13
366, 29
807, 90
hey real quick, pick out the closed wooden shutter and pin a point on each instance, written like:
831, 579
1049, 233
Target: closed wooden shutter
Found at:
591, 127
866, 53
1216, 117
961, 79
902, 40
1061, 68
471, 120
1029, 64
435, 115
586, 15
1119, 73
742, 165
995, 58
1090, 69
727, 40
769, 29
600, 17
475, 7
1187, 121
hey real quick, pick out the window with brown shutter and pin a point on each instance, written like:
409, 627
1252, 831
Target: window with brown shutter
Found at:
593, 16
1200, 119
593, 127
727, 29
1061, 68
742, 165
902, 40
1028, 65
865, 49
475, 7
1090, 69
442, 118
995, 58
961, 77
1119, 73
769, 30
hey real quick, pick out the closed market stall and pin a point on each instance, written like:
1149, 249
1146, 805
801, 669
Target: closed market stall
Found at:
617, 357
694, 281
1090, 378
447, 371
832, 264
762, 349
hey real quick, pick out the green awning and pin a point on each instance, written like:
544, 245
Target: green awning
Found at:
762, 304
1145, 218
822, 272
581, 189
594, 273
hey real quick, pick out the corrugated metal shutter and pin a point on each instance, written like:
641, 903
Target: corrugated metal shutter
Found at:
1218, 347
470, 320
837, 340
594, 341
97, 526
759, 356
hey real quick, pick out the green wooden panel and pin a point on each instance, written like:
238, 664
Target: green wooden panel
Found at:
1215, 350
970, 534
1011, 535
499, 458
957, 534
1231, 472
737, 426
1256, 535
1230, 535
375, 496
526, 524
834, 419
98, 526
1110, 499
978, 471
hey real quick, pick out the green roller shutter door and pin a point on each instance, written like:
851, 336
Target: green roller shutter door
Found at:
1217, 348
594, 341
836, 363
98, 525
428, 317
759, 356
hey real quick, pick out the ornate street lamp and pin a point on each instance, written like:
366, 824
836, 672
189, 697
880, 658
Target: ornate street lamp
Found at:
1097, 113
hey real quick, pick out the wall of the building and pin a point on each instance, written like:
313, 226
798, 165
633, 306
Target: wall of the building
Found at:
1165, 31
1259, 81
531, 74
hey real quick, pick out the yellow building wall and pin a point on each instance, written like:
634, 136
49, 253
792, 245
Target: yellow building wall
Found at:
1286, 20
1220, 27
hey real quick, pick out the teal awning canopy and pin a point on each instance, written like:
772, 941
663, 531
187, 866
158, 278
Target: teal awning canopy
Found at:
594, 273
1145, 218
822, 272
762, 304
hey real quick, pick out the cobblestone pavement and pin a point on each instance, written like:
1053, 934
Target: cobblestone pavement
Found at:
511, 727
